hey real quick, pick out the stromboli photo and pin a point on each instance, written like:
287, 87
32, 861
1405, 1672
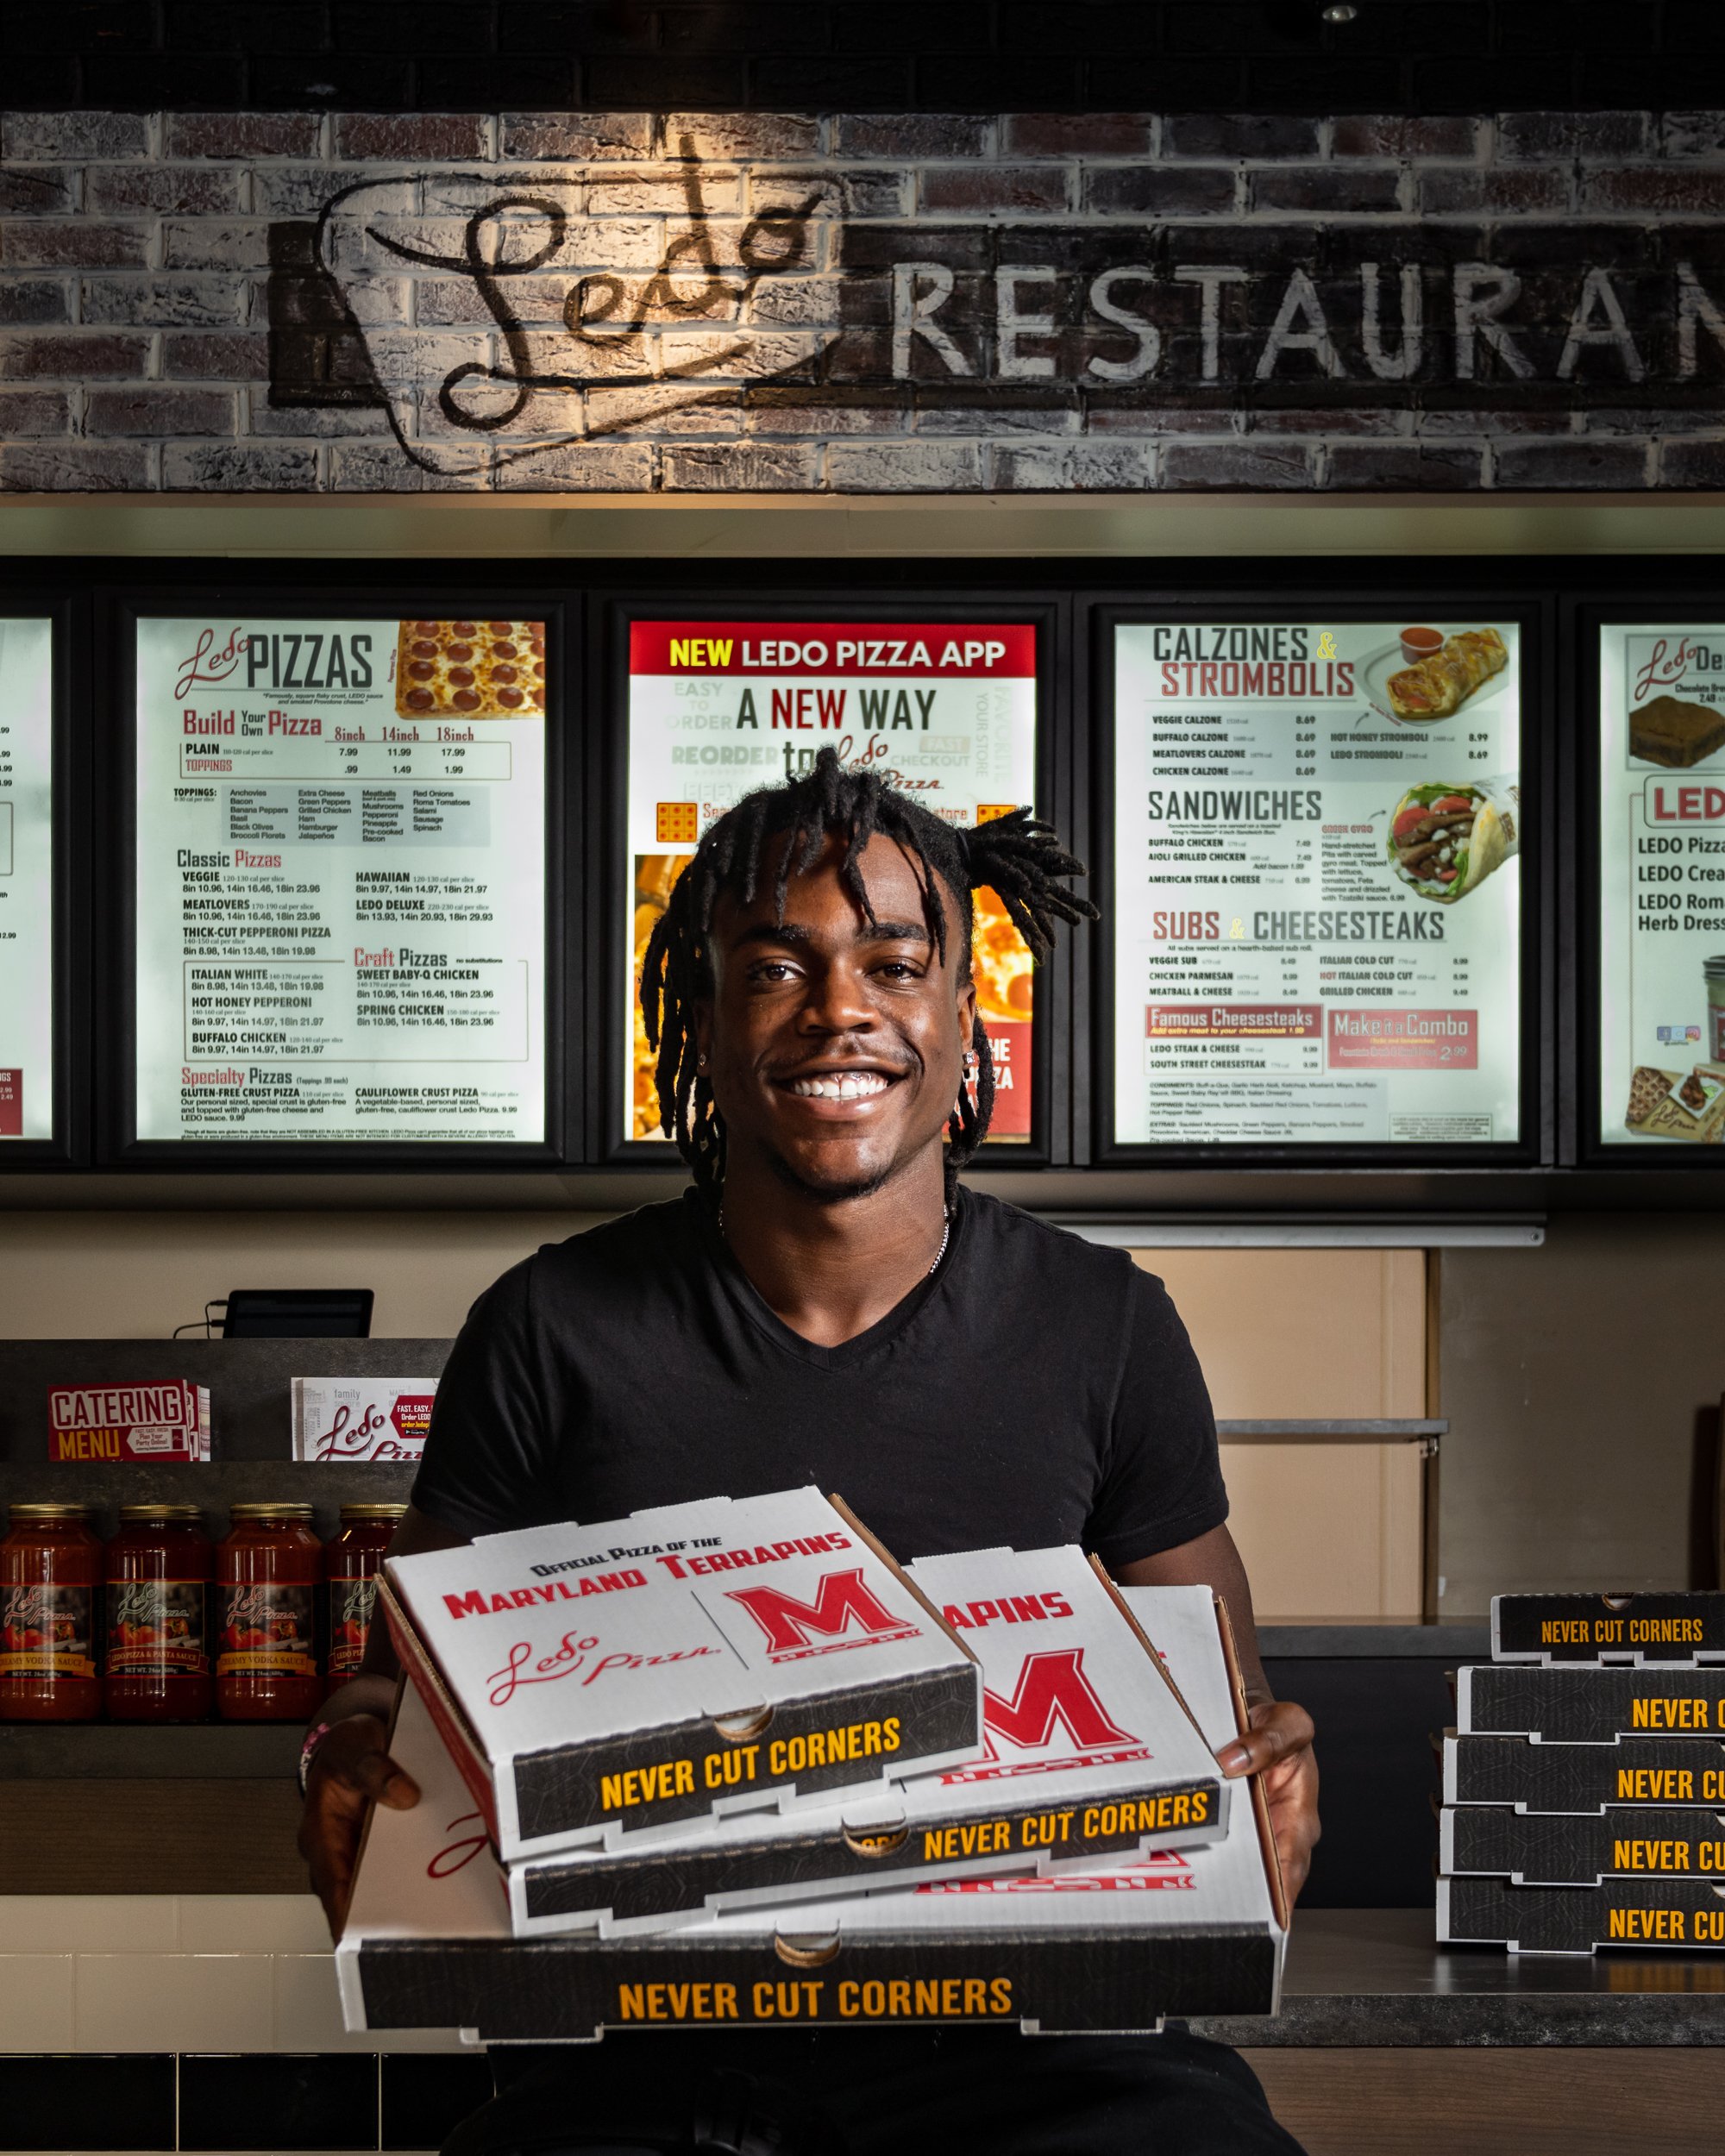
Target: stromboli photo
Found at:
1438, 687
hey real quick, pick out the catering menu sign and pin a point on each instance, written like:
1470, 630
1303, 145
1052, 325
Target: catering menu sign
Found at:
946, 710
1317, 896
340, 880
1661, 1073
27, 1073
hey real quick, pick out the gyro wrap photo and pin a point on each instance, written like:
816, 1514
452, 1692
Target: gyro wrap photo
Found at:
1445, 840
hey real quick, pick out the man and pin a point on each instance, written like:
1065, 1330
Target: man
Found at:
827, 1305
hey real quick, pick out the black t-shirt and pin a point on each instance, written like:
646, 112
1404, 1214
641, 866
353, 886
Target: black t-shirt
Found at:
1035, 1389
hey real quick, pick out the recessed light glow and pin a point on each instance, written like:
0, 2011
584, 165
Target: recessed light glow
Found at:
1340, 13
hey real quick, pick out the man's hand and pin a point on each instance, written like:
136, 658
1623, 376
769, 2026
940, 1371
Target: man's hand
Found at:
350, 1769
1278, 1745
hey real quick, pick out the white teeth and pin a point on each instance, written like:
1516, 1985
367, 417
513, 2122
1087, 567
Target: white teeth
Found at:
850, 1085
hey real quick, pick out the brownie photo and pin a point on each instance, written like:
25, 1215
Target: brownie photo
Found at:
1675, 734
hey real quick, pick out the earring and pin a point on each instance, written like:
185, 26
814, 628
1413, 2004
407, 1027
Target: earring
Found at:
970, 1061
700, 1062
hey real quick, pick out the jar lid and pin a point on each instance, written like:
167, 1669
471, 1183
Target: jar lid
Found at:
373, 1512
168, 1515
49, 1512
270, 1512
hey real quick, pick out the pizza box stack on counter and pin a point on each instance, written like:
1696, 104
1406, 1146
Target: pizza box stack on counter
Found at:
820, 1789
1584, 1780
155, 1418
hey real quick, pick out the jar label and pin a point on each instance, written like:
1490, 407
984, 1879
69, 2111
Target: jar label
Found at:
265, 1631
351, 1604
45, 1631
155, 1627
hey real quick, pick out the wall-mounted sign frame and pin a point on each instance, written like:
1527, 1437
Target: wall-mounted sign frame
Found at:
1649, 949
343, 815
1322, 863
44, 936
708, 693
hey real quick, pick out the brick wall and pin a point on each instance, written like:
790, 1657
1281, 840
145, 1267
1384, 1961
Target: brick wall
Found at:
1413, 56
786, 303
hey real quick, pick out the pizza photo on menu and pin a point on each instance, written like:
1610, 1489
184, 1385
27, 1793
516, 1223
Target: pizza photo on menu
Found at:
471, 669
1679, 1105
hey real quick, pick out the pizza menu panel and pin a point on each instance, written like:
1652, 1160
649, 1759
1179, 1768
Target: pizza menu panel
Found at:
1317, 894
946, 710
341, 879
26, 911
1661, 898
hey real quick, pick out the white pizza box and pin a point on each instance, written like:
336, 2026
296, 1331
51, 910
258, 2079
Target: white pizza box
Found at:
345, 1419
1090, 1755
428, 1943
601, 1684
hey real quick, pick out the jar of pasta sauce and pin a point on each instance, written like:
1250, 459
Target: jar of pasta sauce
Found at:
50, 1592
352, 1560
158, 1578
267, 1571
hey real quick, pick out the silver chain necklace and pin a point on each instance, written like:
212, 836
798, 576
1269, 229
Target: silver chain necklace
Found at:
945, 1237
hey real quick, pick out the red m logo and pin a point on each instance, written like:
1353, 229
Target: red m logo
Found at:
1052, 1691
790, 1626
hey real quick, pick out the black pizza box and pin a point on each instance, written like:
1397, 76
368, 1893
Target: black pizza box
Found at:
1686, 1915
1588, 1706
1090, 1754
1541, 1777
1670, 1628
599, 1683
1556, 1849
1116, 1948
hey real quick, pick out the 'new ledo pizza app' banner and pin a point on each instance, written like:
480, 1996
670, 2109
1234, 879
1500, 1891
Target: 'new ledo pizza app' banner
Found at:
944, 710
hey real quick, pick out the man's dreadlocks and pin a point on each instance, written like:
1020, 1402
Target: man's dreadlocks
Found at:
1015, 855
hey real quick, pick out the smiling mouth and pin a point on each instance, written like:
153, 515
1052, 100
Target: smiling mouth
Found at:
839, 1084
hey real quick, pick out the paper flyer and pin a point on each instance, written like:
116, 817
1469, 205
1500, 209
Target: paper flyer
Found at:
1662, 885
340, 880
946, 710
27, 1073
1317, 892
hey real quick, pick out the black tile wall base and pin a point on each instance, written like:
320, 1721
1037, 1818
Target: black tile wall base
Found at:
275, 2100
424, 2096
88, 2102
336, 2101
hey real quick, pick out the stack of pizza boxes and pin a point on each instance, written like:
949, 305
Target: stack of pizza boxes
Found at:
728, 1761
1584, 1780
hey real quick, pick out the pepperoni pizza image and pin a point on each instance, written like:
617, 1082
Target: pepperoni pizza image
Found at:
471, 669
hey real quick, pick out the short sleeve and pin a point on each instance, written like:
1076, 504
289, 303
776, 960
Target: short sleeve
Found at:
484, 1469
1161, 1480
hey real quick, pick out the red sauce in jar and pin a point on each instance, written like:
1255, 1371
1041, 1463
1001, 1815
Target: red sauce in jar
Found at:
50, 1592
157, 1610
352, 1560
267, 1571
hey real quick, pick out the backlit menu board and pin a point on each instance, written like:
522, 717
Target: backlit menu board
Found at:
340, 880
1316, 894
947, 710
1661, 898
27, 909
